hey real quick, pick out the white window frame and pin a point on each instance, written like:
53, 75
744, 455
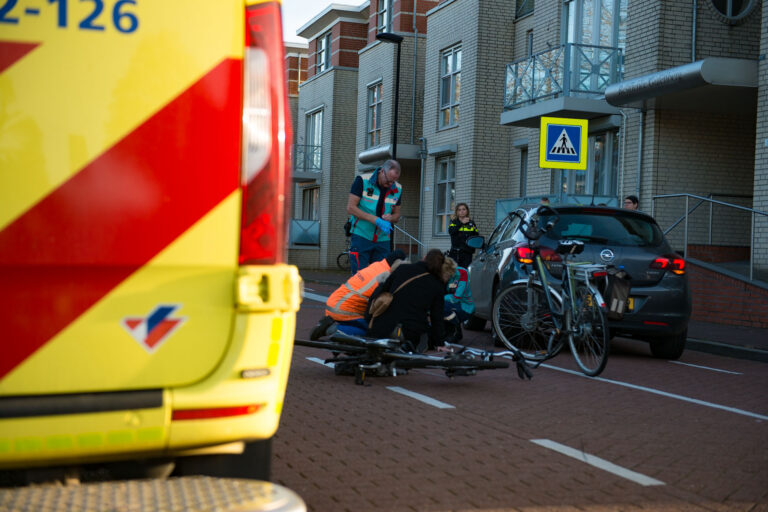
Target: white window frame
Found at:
384, 16
445, 193
450, 86
310, 203
373, 117
314, 137
323, 55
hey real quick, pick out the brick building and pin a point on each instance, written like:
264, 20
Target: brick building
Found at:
676, 94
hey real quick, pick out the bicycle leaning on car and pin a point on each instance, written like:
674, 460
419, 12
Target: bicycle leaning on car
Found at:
532, 317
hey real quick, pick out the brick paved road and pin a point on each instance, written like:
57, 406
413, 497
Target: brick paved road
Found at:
344, 447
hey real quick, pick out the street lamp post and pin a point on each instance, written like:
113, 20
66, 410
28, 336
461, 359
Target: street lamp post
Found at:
397, 39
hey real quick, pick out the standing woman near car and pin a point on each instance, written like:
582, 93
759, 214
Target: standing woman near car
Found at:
462, 227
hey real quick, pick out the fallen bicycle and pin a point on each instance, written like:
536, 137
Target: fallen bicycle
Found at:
361, 357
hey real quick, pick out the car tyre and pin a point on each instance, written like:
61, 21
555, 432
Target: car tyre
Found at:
669, 347
474, 323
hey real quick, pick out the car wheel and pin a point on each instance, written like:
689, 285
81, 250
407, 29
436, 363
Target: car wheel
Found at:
474, 323
669, 347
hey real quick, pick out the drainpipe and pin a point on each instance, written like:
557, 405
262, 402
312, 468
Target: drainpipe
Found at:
415, 60
423, 156
640, 152
693, 31
623, 153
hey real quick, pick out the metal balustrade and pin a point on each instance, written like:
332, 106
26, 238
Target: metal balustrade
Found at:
307, 158
567, 70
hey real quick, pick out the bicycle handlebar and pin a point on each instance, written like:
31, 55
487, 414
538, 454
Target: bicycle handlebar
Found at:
529, 228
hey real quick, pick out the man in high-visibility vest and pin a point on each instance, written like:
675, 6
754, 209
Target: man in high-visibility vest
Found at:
345, 308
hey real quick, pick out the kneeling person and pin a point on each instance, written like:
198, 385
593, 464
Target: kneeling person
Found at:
346, 306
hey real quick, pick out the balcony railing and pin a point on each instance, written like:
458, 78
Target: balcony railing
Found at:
568, 70
307, 158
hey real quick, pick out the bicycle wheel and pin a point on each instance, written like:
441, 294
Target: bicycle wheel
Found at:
342, 261
588, 333
519, 329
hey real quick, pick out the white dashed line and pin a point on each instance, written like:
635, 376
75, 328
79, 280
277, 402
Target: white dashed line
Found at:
706, 368
314, 296
320, 361
421, 398
664, 393
599, 463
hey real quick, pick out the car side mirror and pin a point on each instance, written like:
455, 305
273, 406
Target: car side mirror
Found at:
476, 242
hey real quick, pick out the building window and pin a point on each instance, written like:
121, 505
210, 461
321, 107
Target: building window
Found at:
384, 16
314, 138
450, 86
373, 121
523, 7
445, 194
323, 53
601, 177
523, 171
734, 11
310, 203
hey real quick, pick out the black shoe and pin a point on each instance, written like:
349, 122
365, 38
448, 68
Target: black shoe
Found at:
320, 329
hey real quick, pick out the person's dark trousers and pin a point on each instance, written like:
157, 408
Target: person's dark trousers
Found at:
367, 252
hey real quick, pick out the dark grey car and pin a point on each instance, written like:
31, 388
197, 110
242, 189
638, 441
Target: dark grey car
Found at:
659, 305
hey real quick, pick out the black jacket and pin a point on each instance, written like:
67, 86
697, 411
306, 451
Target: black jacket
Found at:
460, 232
411, 305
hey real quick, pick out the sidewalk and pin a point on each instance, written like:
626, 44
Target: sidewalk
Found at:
741, 342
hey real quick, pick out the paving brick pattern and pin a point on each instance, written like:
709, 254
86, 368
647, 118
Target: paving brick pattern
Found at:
344, 447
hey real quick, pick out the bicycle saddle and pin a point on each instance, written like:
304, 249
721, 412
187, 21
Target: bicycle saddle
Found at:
570, 247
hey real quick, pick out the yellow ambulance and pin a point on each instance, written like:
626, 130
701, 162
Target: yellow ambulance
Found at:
147, 312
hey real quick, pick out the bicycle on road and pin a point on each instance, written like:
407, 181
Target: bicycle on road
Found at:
532, 317
361, 357
342, 260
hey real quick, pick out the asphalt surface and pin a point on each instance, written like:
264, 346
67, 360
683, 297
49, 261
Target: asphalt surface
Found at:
712, 338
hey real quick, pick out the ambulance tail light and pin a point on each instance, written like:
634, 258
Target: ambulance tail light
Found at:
265, 173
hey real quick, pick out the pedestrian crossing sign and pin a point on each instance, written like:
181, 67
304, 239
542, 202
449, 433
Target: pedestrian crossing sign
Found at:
563, 143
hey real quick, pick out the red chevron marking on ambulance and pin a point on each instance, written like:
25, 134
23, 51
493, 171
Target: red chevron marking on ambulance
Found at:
68, 251
11, 51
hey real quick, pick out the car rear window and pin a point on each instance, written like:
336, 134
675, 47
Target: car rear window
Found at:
616, 229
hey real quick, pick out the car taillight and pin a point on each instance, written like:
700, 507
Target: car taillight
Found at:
672, 262
265, 167
524, 254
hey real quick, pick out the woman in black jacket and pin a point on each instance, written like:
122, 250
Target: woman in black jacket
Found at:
461, 228
418, 302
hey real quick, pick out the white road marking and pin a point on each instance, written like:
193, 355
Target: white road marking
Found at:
314, 296
706, 368
664, 393
320, 361
599, 463
422, 398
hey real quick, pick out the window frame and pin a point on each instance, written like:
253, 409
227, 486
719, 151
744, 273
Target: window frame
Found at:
313, 132
384, 16
310, 203
447, 185
323, 54
373, 115
524, 8
451, 75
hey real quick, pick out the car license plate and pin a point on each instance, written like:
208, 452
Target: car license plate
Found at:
630, 304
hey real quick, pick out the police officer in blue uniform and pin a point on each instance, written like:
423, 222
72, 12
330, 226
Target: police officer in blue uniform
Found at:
373, 206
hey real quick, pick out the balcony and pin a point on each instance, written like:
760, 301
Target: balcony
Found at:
307, 163
567, 81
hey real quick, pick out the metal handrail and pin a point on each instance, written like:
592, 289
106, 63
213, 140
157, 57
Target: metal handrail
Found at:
411, 239
711, 201
710, 195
